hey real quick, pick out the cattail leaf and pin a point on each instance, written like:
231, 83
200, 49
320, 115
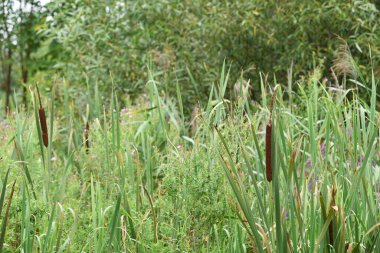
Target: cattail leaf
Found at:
3, 191
155, 225
324, 229
255, 184
49, 228
21, 156
238, 189
113, 225
331, 225
5, 219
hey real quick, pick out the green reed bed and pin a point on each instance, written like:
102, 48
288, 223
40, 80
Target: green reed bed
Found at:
282, 175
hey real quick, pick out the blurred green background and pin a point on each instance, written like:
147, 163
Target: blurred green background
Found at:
113, 43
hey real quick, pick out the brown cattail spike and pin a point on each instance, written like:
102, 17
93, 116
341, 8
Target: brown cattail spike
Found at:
42, 116
44, 130
268, 151
268, 141
86, 139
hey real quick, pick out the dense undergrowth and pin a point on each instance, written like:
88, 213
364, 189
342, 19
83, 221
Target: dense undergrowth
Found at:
145, 178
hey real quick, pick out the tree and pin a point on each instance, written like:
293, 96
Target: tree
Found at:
18, 40
7, 47
27, 38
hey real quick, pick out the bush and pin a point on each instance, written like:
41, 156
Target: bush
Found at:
187, 40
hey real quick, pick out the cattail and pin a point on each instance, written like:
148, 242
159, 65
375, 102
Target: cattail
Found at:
86, 139
268, 151
42, 116
268, 141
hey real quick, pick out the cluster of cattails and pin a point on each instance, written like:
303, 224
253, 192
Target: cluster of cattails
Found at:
268, 141
42, 116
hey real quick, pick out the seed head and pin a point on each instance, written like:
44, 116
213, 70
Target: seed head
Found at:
42, 117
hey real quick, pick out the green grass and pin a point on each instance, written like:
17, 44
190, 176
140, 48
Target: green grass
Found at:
147, 185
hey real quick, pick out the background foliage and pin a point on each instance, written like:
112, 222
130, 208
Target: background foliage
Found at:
114, 42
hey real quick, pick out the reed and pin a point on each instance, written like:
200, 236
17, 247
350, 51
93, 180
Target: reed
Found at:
147, 187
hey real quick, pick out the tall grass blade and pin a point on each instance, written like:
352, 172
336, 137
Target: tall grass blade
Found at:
5, 219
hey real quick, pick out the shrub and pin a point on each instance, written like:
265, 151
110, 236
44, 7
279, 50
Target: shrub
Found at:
187, 40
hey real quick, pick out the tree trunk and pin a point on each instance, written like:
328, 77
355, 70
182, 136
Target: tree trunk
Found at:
8, 81
24, 73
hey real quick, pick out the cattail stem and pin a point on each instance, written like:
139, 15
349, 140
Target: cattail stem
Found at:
39, 96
